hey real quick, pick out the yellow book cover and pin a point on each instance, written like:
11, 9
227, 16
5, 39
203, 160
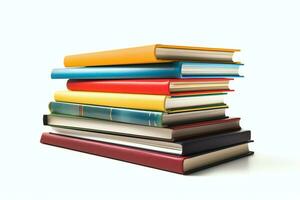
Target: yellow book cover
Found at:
122, 100
156, 53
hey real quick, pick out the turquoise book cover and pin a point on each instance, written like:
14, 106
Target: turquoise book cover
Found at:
148, 118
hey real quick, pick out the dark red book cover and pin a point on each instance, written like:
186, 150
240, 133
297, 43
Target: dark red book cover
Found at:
158, 160
153, 159
138, 86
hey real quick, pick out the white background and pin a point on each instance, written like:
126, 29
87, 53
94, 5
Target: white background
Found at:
35, 36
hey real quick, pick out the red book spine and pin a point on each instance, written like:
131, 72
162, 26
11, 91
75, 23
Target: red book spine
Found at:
121, 86
152, 159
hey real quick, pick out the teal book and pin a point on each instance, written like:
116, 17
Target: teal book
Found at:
140, 117
150, 71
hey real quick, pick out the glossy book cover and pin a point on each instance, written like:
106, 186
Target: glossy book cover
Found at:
132, 116
152, 86
159, 70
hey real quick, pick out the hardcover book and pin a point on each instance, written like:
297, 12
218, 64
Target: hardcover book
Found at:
150, 86
141, 117
184, 147
156, 53
174, 133
150, 71
163, 161
163, 103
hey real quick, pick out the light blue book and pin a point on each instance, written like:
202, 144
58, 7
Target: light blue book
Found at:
160, 70
141, 117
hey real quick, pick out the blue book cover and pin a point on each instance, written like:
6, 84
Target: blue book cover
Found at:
160, 70
131, 116
141, 117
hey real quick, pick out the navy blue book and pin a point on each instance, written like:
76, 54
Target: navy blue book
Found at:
158, 70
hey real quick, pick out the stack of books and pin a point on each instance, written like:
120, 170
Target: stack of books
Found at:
160, 106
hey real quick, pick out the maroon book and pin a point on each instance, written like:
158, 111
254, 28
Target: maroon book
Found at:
163, 161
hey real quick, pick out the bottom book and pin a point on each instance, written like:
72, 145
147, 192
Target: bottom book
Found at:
163, 161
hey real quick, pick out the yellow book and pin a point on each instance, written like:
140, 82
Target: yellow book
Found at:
135, 101
139, 101
156, 53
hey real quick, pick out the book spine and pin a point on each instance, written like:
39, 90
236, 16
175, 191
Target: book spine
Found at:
215, 142
152, 159
119, 86
147, 118
162, 70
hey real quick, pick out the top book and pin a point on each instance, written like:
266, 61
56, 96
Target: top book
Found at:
156, 53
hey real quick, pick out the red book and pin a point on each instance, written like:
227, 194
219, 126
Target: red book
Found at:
153, 86
163, 161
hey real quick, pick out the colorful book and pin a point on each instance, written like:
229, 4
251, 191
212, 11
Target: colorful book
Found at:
150, 86
158, 70
184, 147
163, 103
172, 133
141, 117
163, 161
156, 53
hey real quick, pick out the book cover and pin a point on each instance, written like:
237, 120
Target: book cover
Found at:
142, 86
132, 116
137, 55
184, 147
215, 141
142, 117
172, 133
140, 101
134, 101
157, 70
162, 161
